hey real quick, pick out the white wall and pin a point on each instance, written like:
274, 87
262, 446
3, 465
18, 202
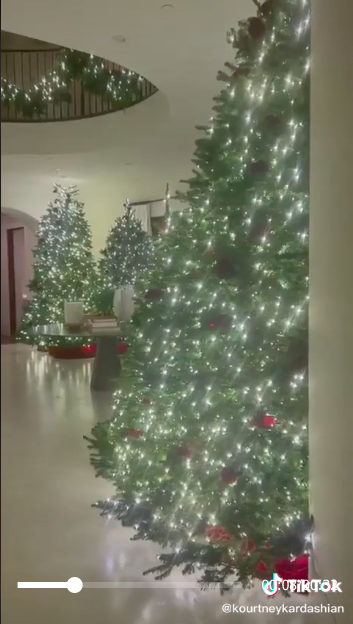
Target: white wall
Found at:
130, 132
104, 198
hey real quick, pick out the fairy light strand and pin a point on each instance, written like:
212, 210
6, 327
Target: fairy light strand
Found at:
207, 385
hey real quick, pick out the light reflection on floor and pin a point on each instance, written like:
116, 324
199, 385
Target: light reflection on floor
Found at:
49, 530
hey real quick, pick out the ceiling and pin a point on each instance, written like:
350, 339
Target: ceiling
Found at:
11, 41
131, 153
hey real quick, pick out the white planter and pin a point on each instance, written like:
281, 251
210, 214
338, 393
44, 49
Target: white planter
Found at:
117, 304
128, 304
73, 313
124, 304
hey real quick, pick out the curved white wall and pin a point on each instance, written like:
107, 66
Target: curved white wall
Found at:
127, 154
133, 128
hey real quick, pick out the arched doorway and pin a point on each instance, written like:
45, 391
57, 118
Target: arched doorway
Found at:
18, 238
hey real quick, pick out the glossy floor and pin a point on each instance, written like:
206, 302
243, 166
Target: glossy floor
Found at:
49, 531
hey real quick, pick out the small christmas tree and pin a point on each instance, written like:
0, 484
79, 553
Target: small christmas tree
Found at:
64, 268
127, 256
208, 450
128, 253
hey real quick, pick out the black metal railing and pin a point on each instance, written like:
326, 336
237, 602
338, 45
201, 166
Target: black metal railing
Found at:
24, 68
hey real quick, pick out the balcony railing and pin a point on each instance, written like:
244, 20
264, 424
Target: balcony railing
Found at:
24, 69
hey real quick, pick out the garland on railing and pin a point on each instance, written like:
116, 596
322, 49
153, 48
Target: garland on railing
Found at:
115, 86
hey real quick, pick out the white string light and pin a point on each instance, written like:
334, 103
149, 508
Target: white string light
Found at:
213, 418
64, 268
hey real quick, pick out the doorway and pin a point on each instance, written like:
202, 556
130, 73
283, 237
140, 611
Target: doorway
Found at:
15, 248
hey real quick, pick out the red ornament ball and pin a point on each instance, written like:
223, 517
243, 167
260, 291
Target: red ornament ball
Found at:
259, 228
241, 71
221, 321
263, 421
262, 571
300, 363
266, 8
256, 27
297, 569
195, 273
133, 433
146, 400
248, 546
226, 268
154, 294
218, 534
183, 451
273, 120
229, 475
259, 167
196, 445
122, 348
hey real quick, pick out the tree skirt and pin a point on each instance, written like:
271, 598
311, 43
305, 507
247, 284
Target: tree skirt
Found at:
80, 352
73, 353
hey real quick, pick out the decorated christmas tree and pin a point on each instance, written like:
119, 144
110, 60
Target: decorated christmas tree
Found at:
64, 268
127, 256
128, 253
207, 451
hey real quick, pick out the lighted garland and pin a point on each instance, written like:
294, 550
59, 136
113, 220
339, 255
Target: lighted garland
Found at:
116, 87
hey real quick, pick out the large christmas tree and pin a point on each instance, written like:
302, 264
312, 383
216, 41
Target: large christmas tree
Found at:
208, 449
64, 268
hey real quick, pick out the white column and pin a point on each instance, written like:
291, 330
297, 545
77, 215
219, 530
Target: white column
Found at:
331, 297
143, 213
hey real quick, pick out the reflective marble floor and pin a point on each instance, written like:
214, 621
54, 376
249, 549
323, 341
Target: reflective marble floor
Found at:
49, 531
